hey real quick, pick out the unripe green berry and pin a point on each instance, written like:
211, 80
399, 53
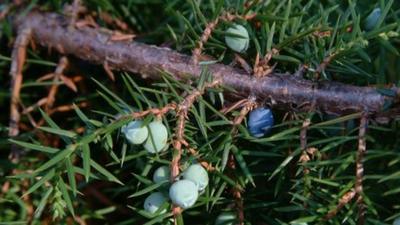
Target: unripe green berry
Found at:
161, 174
198, 175
153, 202
158, 137
183, 193
135, 133
226, 218
237, 38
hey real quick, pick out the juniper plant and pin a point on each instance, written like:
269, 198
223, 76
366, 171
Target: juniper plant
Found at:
104, 128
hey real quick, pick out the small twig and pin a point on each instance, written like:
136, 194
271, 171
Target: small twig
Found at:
36, 105
344, 200
202, 162
261, 67
239, 204
182, 114
362, 147
159, 112
80, 220
118, 36
28, 114
62, 108
249, 105
234, 106
196, 54
303, 144
204, 38
243, 63
324, 64
87, 21
66, 108
304, 158
107, 18
108, 71
182, 111
62, 64
18, 60
48, 101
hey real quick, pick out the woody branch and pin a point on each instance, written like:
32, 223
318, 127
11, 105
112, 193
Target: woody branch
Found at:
283, 90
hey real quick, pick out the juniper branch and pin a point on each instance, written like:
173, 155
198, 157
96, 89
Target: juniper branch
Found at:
283, 91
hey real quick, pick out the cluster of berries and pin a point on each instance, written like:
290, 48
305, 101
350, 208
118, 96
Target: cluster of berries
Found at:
183, 192
154, 136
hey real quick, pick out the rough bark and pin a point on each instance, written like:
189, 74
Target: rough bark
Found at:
280, 90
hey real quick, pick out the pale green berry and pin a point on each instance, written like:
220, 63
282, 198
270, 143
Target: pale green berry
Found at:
396, 221
161, 174
158, 137
183, 193
198, 175
135, 133
237, 38
226, 218
153, 202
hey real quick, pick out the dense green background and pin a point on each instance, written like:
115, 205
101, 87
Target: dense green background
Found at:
282, 193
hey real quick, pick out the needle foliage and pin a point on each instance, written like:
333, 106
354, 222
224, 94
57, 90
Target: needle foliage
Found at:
77, 165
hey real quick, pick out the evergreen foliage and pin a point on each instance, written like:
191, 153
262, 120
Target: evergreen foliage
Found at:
78, 166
